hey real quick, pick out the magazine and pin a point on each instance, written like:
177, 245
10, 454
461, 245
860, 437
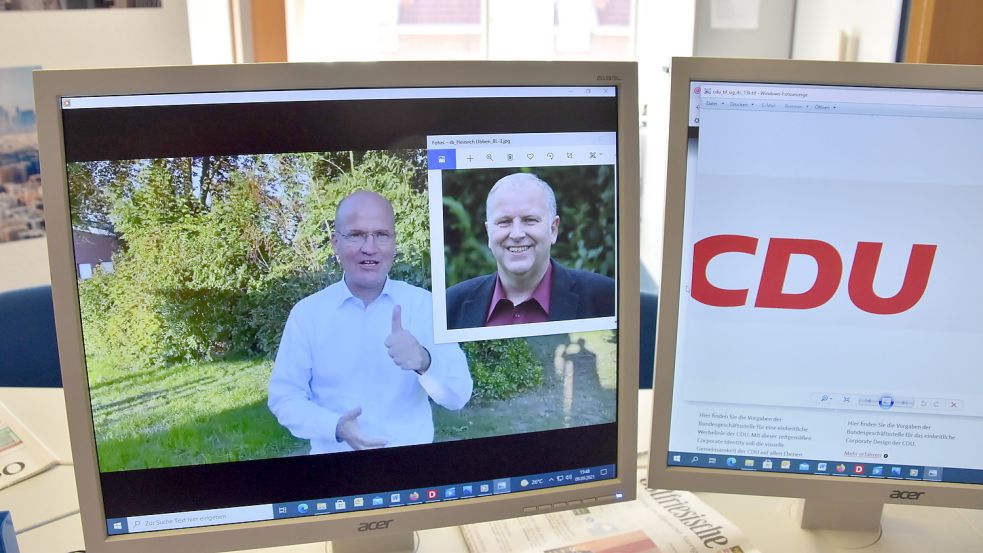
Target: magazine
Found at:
22, 454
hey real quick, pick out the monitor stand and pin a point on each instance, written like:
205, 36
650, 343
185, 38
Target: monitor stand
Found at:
844, 523
403, 542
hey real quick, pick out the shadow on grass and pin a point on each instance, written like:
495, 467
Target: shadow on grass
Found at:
570, 395
244, 433
182, 390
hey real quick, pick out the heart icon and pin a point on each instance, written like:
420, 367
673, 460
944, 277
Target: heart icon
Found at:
529, 156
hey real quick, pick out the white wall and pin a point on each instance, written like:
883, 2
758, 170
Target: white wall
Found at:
665, 30
23, 264
818, 23
70, 39
210, 30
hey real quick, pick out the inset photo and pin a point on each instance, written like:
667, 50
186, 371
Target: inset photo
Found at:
526, 251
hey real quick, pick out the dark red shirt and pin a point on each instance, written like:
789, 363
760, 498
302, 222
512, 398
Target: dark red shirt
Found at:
536, 309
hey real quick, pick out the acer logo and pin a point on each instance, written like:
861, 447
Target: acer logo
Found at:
779, 252
374, 525
902, 494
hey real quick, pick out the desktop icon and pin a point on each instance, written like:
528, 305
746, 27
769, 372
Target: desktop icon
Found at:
731, 462
877, 471
840, 468
395, 498
303, 508
431, 494
786, 465
467, 489
766, 464
450, 492
377, 500
414, 496
340, 505
803, 467
321, 506
821, 467
501, 485
896, 472
858, 469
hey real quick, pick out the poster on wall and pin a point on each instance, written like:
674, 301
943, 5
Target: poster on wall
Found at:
35, 5
21, 199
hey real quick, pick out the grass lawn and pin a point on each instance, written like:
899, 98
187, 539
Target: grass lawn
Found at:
185, 414
216, 412
583, 397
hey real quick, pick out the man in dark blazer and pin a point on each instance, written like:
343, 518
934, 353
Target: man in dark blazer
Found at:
529, 286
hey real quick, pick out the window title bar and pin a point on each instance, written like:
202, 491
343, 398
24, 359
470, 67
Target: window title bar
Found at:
320, 95
837, 93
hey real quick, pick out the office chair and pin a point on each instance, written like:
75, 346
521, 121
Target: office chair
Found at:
648, 316
28, 348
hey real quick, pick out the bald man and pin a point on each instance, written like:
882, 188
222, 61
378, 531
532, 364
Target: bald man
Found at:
529, 286
357, 364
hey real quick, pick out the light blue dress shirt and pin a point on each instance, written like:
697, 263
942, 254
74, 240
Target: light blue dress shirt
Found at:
332, 358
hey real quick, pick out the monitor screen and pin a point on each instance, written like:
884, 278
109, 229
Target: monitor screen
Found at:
818, 337
345, 298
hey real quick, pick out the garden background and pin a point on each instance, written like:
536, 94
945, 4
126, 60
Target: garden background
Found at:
214, 251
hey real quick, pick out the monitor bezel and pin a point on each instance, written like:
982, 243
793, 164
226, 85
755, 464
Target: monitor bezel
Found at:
51, 86
792, 72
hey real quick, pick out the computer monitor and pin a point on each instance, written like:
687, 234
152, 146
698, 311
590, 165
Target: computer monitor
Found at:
818, 335
260, 270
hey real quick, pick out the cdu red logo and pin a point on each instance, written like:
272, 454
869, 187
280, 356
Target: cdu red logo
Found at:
830, 268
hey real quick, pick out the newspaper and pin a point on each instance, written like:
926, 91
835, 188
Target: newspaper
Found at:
660, 521
22, 454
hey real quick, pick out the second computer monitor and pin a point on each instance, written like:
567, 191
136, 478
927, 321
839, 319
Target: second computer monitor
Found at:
819, 333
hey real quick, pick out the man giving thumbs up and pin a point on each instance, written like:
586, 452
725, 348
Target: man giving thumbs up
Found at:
405, 351
357, 364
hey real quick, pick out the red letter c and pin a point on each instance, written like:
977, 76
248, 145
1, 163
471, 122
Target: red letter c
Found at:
705, 250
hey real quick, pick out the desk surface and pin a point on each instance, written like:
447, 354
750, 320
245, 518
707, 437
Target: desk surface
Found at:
767, 521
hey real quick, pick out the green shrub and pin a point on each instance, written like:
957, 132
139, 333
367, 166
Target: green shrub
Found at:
502, 368
215, 251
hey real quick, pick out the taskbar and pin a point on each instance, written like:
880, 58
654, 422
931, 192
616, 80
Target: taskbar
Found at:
825, 467
362, 502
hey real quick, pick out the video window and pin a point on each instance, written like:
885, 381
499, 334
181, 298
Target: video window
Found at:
230, 316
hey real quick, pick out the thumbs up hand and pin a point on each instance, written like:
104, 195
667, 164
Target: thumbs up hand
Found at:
404, 349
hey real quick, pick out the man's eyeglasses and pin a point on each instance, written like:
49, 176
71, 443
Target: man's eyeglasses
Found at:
357, 238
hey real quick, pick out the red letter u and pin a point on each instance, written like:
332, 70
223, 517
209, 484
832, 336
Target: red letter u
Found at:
912, 288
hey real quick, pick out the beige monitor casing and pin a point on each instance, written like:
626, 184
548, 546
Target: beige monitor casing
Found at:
51, 86
814, 488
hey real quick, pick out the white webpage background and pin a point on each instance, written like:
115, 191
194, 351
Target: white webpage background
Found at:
840, 179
